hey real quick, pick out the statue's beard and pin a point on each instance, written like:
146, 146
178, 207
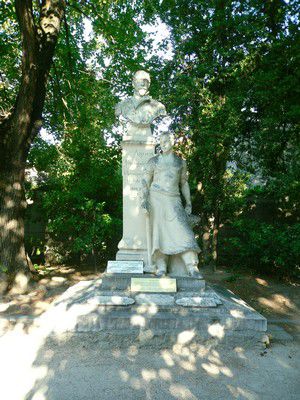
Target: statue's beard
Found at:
142, 92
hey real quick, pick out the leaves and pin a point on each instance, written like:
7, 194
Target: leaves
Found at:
231, 88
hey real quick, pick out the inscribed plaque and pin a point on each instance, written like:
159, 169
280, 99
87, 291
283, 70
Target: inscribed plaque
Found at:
125, 267
155, 285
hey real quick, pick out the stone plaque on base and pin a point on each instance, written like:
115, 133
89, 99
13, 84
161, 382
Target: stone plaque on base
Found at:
111, 300
124, 267
154, 285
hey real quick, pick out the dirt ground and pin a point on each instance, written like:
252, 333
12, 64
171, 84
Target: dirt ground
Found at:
34, 367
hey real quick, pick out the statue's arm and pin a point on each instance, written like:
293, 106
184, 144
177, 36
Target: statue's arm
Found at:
185, 188
161, 112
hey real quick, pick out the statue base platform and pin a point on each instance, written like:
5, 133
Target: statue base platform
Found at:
107, 307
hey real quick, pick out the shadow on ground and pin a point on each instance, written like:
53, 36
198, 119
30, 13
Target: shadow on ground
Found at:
39, 367
36, 365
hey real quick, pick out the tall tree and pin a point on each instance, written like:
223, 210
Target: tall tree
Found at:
39, 30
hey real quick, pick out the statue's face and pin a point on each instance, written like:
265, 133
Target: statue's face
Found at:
166, 143
141, 86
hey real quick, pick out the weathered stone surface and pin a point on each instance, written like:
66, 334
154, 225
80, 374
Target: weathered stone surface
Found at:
86, 307
158, 299
154, 285
123, 282
185, 283
136, 114
125, 267
111, 300
196, 301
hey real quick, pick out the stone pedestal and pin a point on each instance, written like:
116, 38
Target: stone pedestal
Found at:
135, 154
107, 306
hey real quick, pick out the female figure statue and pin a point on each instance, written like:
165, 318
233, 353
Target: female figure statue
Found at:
171, 232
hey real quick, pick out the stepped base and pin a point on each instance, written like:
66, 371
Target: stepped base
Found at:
107, 306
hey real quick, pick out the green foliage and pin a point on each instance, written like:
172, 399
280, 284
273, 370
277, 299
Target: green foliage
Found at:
231, 89
81, 194
266, 248
3, 269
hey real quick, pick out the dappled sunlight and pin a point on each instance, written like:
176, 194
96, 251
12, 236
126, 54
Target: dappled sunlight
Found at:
183, 370
149, 374
238, 392
132, 351
124, 375
240, 302
237, 313
181, 392
240, 352
262, 282
216, 330
182, 359
167, 357
210, 368
138, 320
146, 347
26, 352
4, 306
151, 309
165, 374
185, 336
189, 358
279, 303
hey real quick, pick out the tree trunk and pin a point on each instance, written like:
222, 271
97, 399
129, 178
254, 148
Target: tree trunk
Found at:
12, 208
19, 129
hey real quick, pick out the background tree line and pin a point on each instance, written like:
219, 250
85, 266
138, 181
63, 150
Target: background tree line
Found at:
230, 82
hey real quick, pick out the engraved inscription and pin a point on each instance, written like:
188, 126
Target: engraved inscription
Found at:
125, 267
135, 163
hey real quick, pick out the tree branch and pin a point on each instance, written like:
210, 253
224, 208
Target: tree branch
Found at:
68, 44
79, 10
28, 32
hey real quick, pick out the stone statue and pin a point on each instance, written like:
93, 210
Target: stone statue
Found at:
171, 233
138, 112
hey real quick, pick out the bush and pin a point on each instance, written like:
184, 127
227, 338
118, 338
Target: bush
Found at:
267, 248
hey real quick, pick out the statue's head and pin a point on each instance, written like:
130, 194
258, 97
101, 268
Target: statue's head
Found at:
141, 82
166, 141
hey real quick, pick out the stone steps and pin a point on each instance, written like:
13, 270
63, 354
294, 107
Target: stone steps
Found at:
95, 306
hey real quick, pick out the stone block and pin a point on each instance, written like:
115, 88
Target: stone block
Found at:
196, 302
125, 267
154, 285
112, 300
187, 283
157, 299
123, 282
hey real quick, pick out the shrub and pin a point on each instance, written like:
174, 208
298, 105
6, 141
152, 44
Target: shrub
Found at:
265, 247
